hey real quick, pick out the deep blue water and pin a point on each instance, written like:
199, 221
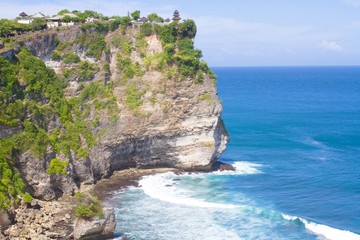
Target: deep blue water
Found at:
295, 140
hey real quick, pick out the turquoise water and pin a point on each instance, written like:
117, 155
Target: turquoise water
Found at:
295, 140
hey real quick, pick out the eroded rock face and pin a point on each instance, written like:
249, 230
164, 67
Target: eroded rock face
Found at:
97, 228
40, 183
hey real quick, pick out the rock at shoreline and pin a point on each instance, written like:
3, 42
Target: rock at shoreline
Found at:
96, 228
220, 166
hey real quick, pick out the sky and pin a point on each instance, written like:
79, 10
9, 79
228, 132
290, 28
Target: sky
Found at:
242, 32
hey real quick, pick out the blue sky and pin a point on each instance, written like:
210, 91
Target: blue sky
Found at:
243, 32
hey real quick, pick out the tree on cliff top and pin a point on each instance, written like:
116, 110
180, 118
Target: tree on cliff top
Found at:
38, 24
135, 15
63, 11
155, 17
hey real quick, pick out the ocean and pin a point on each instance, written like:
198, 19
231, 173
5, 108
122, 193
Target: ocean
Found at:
295, 141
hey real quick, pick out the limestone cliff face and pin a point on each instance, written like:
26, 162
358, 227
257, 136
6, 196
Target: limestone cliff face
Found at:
177, 125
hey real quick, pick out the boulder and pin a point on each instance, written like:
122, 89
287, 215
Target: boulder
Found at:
5, 220
96, 228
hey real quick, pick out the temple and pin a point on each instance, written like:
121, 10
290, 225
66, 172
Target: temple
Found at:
176, 17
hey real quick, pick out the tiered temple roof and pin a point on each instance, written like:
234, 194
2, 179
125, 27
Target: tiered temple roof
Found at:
23, 15
176, 16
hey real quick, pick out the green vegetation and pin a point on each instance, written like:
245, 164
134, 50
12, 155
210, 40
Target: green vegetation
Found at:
133, 97
206, 97
86, 70
8, 26
63, 12
146, 29
61, 46
89, 207
106, 70
187, 58
70, 57
57, 166
95, 43
40, 98
199, 77
79, 195
55, 55
67, 19
27, 198
123, 44
38, 24
135, 15
165, 109
141, 45
82, 153
153, 17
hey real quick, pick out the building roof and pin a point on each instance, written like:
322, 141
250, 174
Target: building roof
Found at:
176, 12
59, 17
23, 14
143, 19
38, 15
167, 20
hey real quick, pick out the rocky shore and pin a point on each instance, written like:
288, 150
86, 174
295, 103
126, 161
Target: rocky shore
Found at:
55, 219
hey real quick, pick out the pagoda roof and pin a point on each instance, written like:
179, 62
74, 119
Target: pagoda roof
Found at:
23, 14
167, 20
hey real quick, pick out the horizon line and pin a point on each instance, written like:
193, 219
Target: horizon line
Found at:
239, 66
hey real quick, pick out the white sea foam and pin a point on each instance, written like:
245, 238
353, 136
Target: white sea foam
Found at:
157, 186
242, 168
161, 187
323, 230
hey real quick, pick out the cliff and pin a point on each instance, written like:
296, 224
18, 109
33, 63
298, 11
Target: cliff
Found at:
132, 99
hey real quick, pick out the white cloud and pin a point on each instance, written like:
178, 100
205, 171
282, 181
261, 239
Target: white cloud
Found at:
332, 46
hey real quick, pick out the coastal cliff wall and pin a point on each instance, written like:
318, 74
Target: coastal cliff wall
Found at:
139, 106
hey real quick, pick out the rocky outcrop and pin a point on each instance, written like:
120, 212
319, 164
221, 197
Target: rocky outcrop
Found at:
39, 221
6, 131
96, 228
41, 44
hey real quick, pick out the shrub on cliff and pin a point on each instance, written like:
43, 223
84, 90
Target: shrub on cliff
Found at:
122, 43
95, 43
89, 207
146, 29
70, 57
55, 55
133, 96
57, 166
